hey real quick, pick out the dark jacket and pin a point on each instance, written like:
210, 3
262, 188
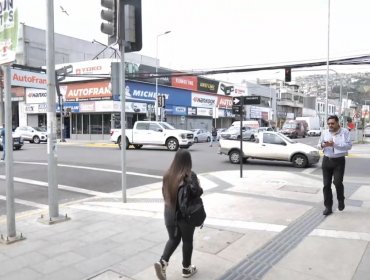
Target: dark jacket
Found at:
196, 191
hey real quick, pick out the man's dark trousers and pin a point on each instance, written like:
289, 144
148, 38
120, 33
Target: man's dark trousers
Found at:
333, 167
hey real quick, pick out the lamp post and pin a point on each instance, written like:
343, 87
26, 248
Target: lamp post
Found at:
327, 67
156, 74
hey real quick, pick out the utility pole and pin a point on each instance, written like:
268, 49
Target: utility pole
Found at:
54, 216
9, 177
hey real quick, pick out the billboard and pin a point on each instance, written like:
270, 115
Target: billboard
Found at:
8, 31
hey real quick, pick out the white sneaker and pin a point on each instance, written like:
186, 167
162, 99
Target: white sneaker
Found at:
189, 271
160, 269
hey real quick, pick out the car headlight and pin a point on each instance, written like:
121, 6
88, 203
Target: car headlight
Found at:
314, 153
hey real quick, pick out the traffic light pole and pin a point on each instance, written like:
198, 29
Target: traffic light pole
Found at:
241, 141
122, 90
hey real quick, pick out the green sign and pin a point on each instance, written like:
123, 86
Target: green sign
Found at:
8, 31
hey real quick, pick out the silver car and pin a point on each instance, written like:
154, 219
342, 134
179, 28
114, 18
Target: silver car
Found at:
233, 133
201, 135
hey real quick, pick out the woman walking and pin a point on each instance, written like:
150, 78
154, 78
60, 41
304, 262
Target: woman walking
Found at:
178, 229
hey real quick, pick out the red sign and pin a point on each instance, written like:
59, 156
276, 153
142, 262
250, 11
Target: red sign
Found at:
88, 91
185, 82
224, 101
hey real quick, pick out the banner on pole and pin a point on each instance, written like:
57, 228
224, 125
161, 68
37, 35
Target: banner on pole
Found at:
8, 31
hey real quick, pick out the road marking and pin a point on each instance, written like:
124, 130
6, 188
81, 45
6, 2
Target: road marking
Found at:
341, 234
62, 187
93, 168
26, 202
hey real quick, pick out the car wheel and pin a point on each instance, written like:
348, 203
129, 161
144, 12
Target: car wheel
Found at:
300, 161
138, 146
36, 139
234, 156
196, 140
172, 144
208, 139
252, 137
127, 143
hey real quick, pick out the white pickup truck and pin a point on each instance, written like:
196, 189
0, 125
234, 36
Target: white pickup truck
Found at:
154, 133
271, 146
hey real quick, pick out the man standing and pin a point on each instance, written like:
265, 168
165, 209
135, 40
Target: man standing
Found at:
335, 142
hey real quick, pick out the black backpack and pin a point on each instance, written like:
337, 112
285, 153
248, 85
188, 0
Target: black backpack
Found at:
191, 209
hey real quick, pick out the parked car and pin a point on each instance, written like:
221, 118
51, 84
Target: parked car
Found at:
367, 131
261, 129
233, 133
271, 146
17, 140
201, 135
314, 132
294, 128
32, 134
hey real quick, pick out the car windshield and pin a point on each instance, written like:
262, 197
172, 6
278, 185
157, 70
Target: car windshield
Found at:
39, 129
166, 125
286, 138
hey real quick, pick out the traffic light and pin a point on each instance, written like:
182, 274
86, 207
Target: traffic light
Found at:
109, 15
288, 74
161, 101
129, 24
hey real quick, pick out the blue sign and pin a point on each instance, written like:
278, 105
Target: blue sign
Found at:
176, 110
146, 92
74, 106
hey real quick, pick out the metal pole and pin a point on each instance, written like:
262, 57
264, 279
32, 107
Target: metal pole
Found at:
51, 117
2, 113
340, 101
9, 179
327, 67
156, 79
122, 90
61, 120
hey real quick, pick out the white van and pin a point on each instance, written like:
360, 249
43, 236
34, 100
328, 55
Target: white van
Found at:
249, 123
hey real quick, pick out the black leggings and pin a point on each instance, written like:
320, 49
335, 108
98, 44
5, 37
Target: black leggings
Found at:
333, 167
184, 232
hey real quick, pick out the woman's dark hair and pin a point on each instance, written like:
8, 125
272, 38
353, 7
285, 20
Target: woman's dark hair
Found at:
333, 117
179, 169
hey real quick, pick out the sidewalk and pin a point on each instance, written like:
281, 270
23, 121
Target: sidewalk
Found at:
267, 225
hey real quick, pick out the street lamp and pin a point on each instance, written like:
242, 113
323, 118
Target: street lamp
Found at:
327, 66
156, 74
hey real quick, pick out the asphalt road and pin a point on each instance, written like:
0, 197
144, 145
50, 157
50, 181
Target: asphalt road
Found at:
85, 171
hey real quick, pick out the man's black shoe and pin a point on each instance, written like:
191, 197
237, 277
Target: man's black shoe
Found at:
341, 205
327, 211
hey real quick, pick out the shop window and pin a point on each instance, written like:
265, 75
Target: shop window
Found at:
106, 123
85, 124
79, 123
96, 124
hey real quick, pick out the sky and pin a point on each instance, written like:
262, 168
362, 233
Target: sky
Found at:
211, 34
